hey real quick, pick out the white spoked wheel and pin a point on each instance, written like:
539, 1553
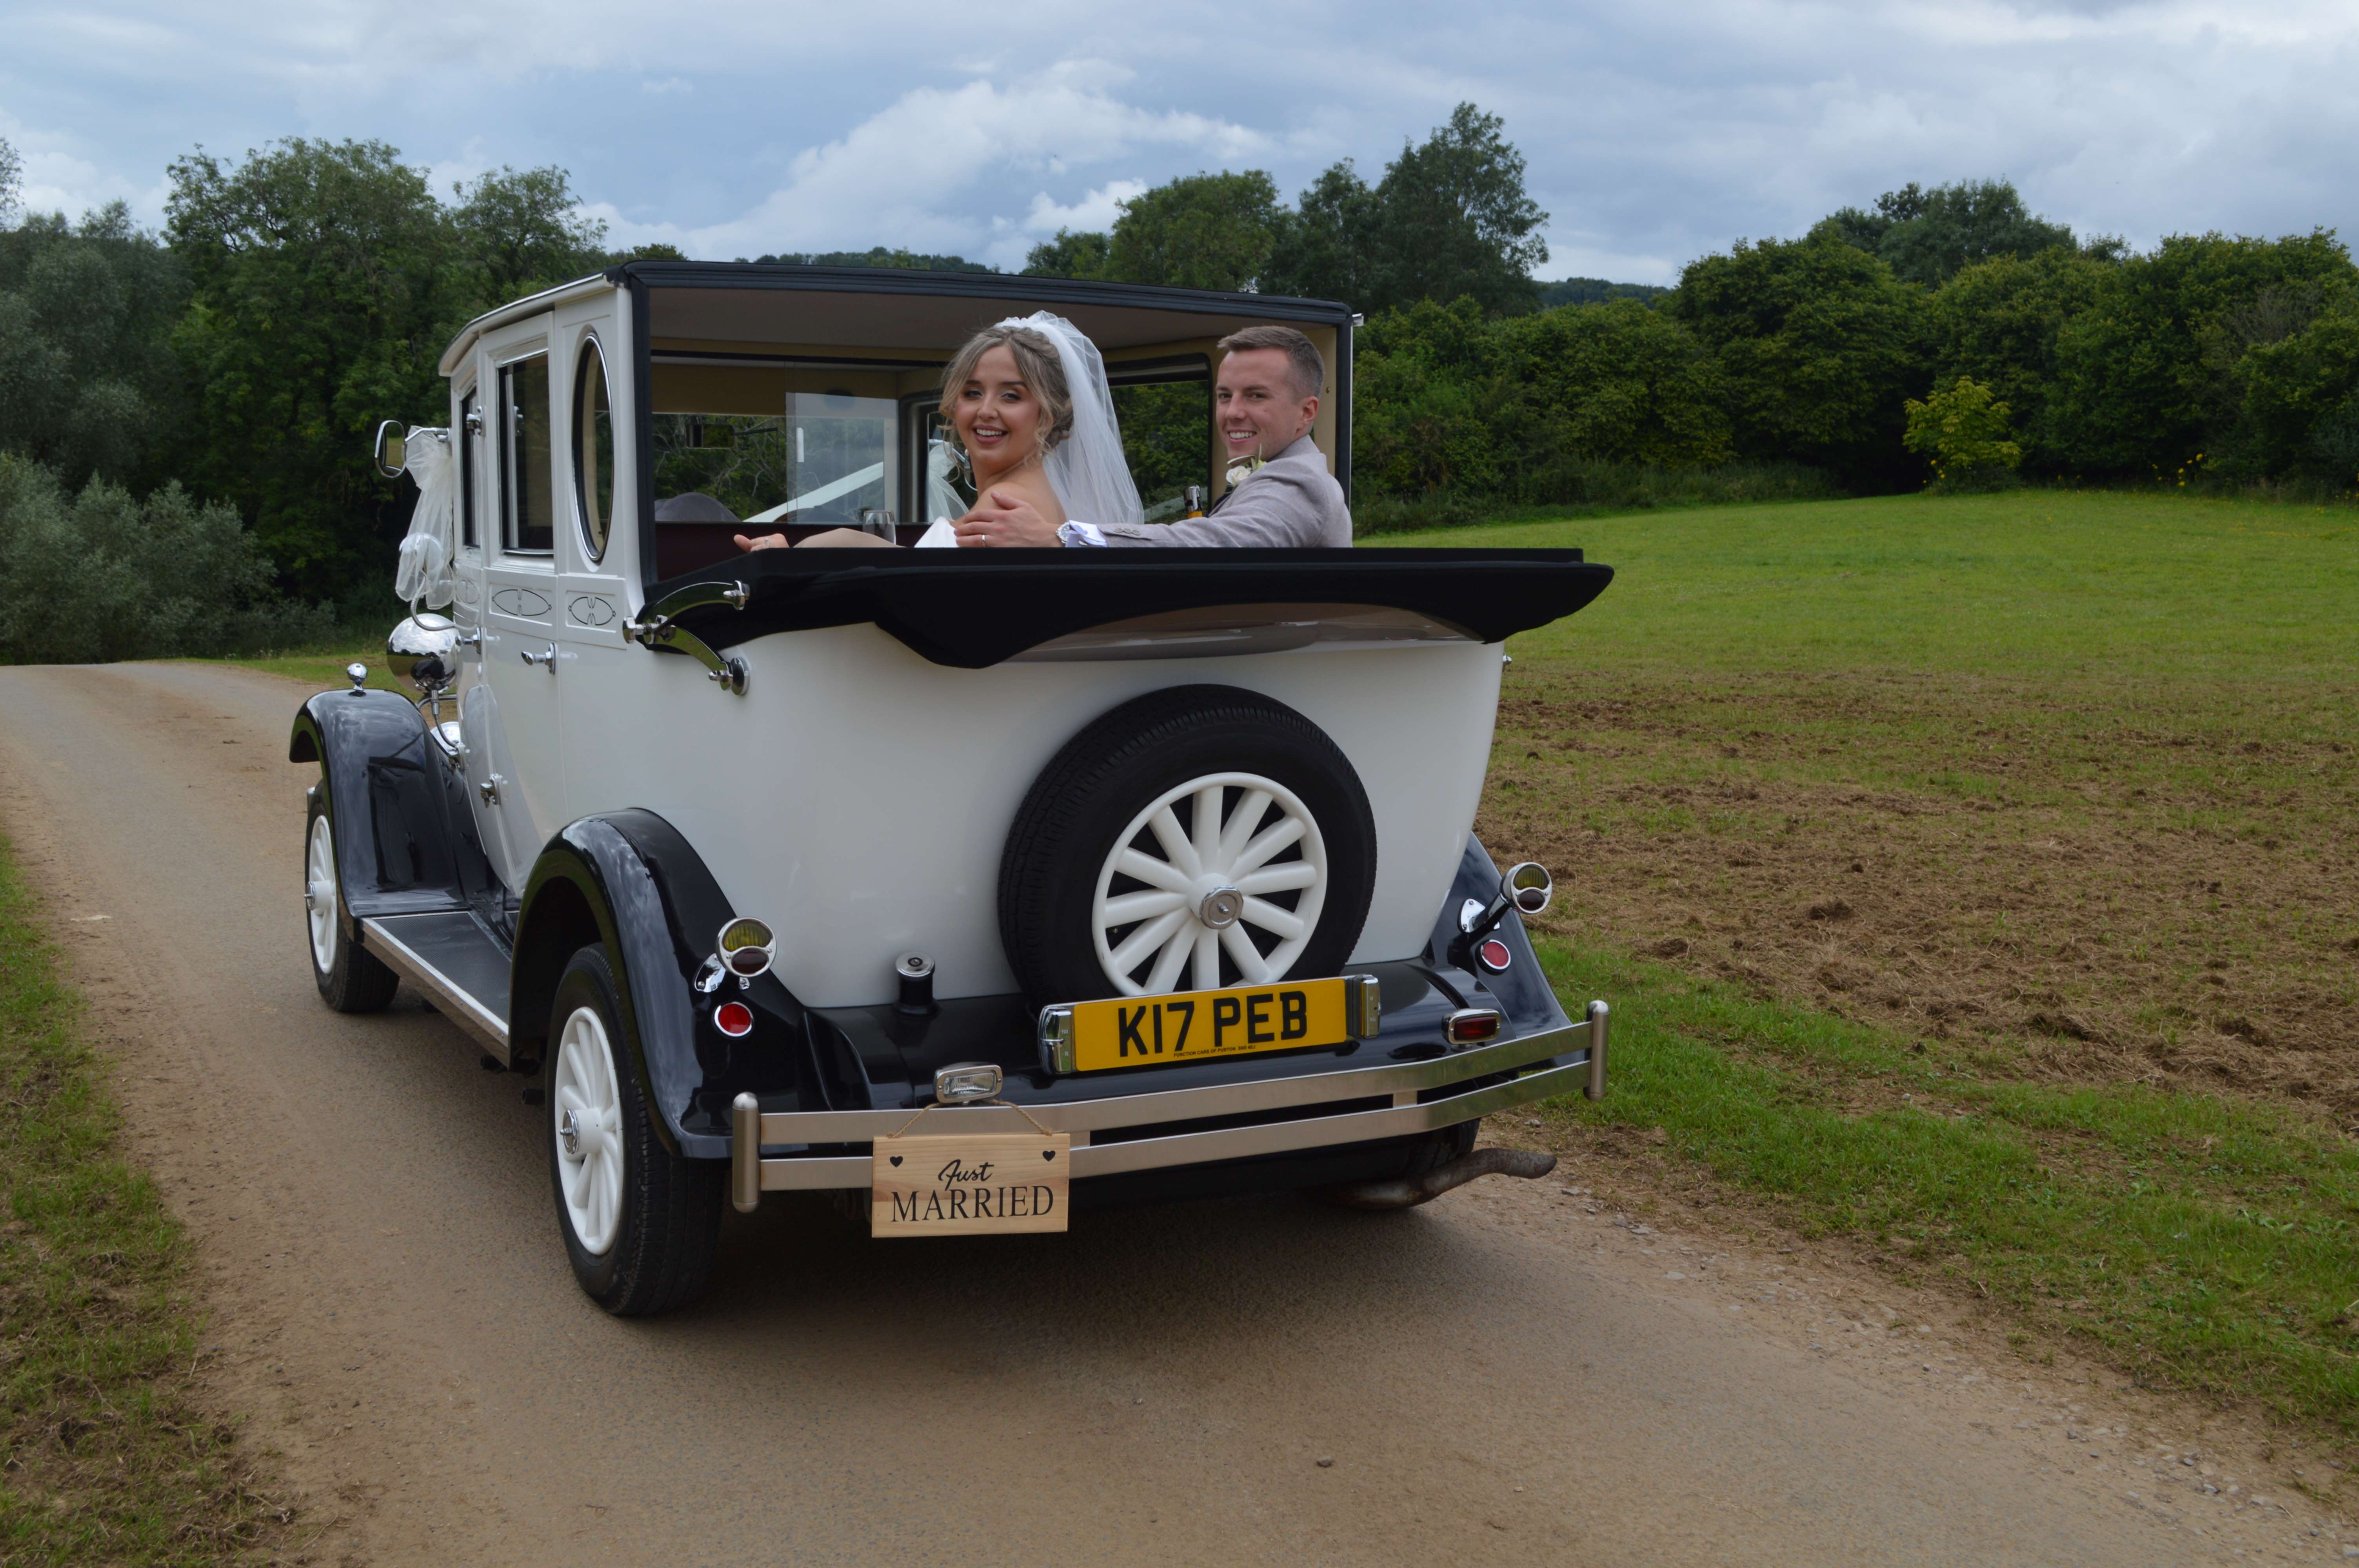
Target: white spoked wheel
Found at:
319, 892
1219, 882
587, 1107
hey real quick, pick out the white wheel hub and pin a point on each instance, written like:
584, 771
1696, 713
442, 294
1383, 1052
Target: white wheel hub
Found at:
588, 1119
319, 892
1228, 866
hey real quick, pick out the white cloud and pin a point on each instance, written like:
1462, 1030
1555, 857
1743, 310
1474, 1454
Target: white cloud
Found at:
912, 173
1098, 210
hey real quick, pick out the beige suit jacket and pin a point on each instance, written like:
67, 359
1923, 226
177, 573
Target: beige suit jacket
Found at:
1290, 500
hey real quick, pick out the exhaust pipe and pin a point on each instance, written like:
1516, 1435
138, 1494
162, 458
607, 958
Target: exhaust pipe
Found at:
1410, 1191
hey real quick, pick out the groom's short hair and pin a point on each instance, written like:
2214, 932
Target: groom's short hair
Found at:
1309, 366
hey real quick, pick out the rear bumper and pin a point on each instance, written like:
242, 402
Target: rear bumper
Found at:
1116, 1135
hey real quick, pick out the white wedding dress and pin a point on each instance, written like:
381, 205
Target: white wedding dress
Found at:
1087, 471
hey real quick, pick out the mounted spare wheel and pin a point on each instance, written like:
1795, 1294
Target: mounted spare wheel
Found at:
1198, 836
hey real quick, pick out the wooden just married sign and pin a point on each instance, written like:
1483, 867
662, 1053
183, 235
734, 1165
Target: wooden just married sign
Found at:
954, 1184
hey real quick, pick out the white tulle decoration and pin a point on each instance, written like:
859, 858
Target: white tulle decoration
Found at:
1087, 471
424, 575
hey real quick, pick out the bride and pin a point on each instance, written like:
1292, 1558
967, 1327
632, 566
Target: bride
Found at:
1033, 422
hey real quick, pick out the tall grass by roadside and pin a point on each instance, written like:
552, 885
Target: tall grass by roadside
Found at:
2194, 1241
104, 1454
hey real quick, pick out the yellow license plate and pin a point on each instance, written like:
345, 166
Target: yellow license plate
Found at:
1188, 1026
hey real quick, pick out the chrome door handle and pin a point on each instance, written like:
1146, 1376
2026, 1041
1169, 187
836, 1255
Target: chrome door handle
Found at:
490, 789
546, 660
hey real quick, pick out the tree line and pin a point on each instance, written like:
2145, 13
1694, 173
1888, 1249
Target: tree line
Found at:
231, 364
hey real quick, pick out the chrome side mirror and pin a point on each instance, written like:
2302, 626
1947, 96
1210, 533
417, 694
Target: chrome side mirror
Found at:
392, 448
424, 650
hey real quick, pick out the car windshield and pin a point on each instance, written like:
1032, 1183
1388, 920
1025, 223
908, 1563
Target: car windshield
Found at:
775, 444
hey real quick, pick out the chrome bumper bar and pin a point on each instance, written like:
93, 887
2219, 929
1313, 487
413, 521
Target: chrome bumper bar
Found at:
751, 1175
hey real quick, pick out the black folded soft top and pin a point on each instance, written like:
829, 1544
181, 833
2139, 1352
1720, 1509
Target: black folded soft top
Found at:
972, 609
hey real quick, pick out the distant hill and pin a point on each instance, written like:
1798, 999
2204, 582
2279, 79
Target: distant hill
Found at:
1593, 291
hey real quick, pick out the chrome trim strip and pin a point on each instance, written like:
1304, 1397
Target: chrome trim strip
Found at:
1231, 1143
1187, 1105
452, 1001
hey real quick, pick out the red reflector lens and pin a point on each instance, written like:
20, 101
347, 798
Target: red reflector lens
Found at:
732, 1019
1473, 1026
1494, 955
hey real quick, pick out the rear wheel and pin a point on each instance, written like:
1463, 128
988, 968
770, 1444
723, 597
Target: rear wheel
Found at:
350, 978
641, 1224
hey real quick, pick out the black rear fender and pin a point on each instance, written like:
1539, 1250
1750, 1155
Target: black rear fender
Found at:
630, 882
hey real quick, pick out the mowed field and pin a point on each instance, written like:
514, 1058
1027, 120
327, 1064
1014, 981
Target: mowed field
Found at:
1980, 877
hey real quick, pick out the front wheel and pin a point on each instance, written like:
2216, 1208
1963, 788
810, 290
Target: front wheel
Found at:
641, 1224
350, 980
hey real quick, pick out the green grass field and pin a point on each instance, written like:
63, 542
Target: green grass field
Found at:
106, 1455
1976, 878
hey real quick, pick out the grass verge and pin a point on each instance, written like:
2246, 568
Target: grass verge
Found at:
105, 1455
322, 670
2196, 1242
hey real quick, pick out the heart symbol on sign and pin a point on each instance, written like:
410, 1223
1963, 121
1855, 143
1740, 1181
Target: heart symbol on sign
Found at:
1047, 1153
896, 1159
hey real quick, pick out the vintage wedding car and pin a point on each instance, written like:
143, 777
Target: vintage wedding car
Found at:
750, 858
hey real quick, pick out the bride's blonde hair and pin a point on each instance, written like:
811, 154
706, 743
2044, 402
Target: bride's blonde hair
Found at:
1036, 362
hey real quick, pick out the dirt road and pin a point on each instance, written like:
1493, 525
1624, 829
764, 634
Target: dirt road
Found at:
1504, 1376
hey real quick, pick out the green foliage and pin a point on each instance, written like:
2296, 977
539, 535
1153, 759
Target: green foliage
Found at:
522, 232
1965, 432
2138, 382
87, 384
1530, 408
1595, 291
878, 256
1070, 254
1206, 230
1998, 322
103, 575
1820, 344
1929, 236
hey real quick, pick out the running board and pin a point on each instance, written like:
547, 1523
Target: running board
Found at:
454, 963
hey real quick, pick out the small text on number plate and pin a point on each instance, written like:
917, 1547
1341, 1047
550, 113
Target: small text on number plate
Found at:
1132, 1032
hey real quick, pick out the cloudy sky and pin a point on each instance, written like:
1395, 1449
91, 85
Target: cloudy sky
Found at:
1655, 133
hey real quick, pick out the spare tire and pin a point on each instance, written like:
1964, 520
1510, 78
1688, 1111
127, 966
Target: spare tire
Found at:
1197, 836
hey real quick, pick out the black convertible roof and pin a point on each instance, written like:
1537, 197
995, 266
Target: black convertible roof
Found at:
972, 609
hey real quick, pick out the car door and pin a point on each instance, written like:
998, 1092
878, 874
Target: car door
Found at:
603, 680
510, 717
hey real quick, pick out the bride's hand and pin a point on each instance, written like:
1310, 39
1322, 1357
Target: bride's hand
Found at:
766, 542
1004, 519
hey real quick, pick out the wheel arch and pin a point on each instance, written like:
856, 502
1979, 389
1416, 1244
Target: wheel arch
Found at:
631, 882
406, 842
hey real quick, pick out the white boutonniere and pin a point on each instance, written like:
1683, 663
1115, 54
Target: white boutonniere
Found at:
1243, 467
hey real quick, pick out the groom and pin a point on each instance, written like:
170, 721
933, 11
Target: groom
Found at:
1265, 399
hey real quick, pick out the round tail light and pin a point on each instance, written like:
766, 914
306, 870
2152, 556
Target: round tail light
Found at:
1496, 956
734, 1018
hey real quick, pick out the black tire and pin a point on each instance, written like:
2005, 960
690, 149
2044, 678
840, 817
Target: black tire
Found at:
352, 979
660, 1253
1111, 771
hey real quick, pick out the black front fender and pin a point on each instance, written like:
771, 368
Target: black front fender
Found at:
406, 842
631, 882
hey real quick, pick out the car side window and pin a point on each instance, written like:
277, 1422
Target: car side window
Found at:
593, 448
527, 519
471, 431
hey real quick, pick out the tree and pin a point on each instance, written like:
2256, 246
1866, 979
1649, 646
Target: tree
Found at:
87, 384
875, 255
1820, 344
1965, 432
1328, 247
1929, 236
326, 281
1998, 322
1619, 382
1204, 231
1070, 254
2144, 373
525, 232
1457, 221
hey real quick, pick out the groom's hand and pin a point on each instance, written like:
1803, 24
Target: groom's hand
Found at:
1004, 519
